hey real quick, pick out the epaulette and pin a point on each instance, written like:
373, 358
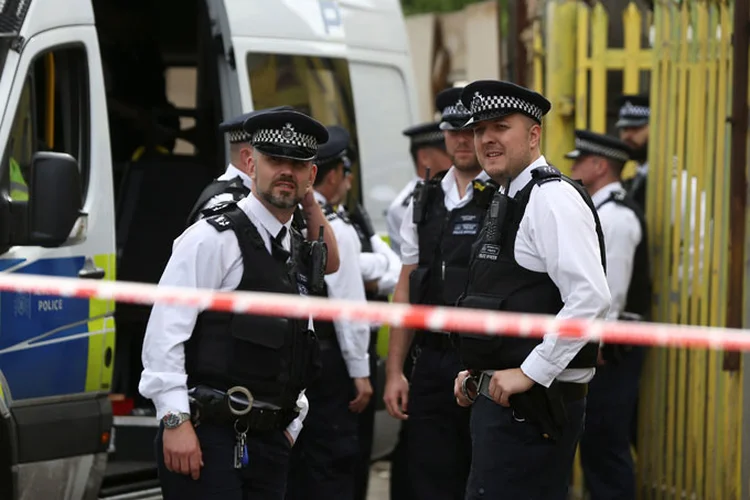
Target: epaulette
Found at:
329, 212
220, 222
545, 173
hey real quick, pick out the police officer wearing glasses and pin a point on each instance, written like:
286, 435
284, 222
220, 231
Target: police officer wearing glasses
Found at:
442, 221
229, 387
541, 251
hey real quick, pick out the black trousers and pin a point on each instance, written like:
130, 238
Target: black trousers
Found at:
439, 441
511, 459
608, 468
263, 478
366, 426
325, 456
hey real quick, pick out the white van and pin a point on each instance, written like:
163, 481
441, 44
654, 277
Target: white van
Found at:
108, 132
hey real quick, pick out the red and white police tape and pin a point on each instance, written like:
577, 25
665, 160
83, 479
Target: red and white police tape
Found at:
451, 319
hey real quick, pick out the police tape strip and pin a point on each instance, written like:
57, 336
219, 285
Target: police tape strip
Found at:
446, 319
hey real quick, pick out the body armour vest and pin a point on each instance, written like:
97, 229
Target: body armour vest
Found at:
234, 188
273, 357
638, 301
498, 282
445, 242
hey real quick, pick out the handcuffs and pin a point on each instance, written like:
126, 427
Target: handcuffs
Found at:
465, 388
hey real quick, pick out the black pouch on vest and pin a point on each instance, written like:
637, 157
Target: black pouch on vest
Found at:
258, 342
418, 285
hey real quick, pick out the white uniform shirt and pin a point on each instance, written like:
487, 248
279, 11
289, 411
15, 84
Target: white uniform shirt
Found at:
622, 234
396, 212
452, 200
201, 257
346, 283
557, 236
230, 173
382, 264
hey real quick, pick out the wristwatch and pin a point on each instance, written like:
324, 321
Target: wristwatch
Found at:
174, 420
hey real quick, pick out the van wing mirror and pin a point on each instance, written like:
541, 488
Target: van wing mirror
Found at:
55, 199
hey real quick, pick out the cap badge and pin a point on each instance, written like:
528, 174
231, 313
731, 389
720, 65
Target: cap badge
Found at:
288, 131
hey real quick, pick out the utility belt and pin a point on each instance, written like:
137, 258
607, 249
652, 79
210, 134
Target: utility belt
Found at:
237, 407
541, 406
439, 341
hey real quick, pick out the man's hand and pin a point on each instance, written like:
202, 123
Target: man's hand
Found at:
461, 399
505, 383
182, 451
364, 393
396, 396
308, 200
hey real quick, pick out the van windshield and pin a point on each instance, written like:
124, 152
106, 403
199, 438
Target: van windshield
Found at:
317, 86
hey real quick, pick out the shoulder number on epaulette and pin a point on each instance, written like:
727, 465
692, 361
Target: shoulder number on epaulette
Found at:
220, 222
545, 173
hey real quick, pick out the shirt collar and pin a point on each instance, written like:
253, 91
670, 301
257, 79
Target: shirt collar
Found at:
320, 198
524, 177
233, 171
605, 192
266, 219
448, 183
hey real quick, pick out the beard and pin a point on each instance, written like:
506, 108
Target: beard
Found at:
640, 154
465, 165
282, 201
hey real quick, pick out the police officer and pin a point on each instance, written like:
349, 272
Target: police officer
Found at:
605, 445
235, 183
229, 388
441, 224
380, 267
632, 125
323, 465
427, 148
540, 251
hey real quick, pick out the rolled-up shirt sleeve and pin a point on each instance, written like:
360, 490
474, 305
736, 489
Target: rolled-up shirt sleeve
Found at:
346, 283
199, 260
562, 233
409, 238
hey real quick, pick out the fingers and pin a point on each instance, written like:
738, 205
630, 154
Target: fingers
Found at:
194, 463
358, 404
394, 402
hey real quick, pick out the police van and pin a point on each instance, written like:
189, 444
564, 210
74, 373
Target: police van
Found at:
108, 132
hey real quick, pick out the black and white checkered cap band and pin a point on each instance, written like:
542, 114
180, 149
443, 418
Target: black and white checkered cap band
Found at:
285, 136
238, 136
628, 110
458, 110
428, 138
589, 147
501, 103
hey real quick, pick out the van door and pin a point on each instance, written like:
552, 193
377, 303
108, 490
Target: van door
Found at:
56, 352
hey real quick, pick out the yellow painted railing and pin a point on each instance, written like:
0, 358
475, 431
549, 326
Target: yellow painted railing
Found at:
689, 442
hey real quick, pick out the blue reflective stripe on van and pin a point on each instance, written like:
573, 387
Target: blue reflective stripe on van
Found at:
53, 369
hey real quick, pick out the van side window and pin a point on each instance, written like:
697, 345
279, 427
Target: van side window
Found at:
52, 115
318, 86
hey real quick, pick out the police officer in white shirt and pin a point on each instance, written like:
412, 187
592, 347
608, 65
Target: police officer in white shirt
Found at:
441, 224
323, 465
632, 126
427, 148
229, 388
235, 183
606, 459
541, 251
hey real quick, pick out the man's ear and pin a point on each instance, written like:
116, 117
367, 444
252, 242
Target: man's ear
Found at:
535, 135
313, 175
246, 155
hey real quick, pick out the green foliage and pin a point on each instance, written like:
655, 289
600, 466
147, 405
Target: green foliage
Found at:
423, 6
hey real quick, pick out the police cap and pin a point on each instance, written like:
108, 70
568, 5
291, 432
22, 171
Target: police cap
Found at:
634, 111
425, 134
454, 113
285, 133
493, 99
233, 126
591, 143
335, 149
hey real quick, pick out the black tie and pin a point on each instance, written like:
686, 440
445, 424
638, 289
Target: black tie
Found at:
277, 248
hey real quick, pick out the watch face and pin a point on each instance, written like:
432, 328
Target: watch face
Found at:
171, 420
